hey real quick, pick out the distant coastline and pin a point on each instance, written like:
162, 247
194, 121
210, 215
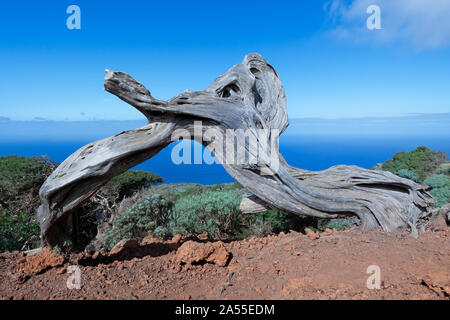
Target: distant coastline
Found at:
413, 125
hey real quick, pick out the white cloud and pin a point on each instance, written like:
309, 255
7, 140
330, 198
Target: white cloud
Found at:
420, 23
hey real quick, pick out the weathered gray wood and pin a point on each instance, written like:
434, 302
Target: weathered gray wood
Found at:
250, 97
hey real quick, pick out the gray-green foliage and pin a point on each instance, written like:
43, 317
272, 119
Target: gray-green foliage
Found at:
437, 181
408, 174
444, 170
440, 188
180, 209
212, 211
171, 209
143, 218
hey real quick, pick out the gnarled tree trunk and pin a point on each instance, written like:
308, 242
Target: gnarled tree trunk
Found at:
248, 98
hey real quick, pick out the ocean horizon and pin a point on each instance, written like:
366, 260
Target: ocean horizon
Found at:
310, 143
311, 152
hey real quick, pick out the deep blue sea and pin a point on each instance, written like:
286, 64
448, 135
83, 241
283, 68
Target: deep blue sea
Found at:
312, 152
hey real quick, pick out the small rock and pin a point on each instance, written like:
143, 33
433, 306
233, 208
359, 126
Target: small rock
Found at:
204, 236
177, 238
311, 234
192, 252
123, 245
39, 263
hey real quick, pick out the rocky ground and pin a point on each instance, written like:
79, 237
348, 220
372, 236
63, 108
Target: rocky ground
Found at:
332, 265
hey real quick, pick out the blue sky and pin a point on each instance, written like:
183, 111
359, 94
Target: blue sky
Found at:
330, 64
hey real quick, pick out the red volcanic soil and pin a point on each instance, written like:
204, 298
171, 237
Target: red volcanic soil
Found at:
287, 266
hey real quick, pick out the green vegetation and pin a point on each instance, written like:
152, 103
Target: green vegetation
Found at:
274, 221
440, 188
124, 186
214, 211
408, 174
167, 210
20, 174
140, 220
20, 180
424, 166
143, 207
129, 182
444, 170
194, 209
336, 224
16, 230
180, 209
421, 161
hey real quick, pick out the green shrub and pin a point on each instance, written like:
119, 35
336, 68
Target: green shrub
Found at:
16, 230
20, 181
444, 170
127, 183
440, 188
195, 209
437, 181
442, 195
141, 219
181, 209
259, 228
408, 174
337, 224
422, 161
282, 221
213, 211
20, 174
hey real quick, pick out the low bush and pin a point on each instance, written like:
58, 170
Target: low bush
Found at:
276, 221
444, 170
422, 161
167, 210
129, 182
20, 181
440, 188
437, 181
408, 174
337, 224
143, 218
17, 231
96, 213
214, 211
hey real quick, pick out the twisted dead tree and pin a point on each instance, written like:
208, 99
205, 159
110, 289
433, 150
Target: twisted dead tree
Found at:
247, 98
